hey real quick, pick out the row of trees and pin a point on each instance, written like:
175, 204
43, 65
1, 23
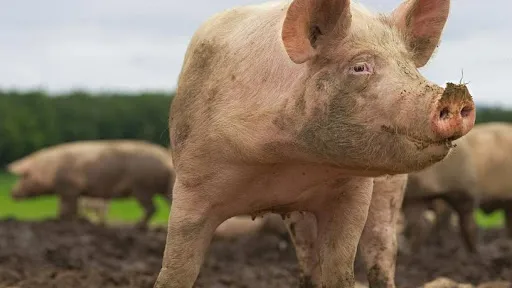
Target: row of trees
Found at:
32, 120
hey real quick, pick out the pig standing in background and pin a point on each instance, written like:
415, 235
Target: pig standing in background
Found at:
476, 174
104, 169
453, 180
295, 106
491, 147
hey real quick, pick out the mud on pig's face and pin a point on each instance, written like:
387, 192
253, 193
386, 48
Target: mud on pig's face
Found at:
364, 104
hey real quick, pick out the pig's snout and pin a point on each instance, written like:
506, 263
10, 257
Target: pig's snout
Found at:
15, 195
454, 115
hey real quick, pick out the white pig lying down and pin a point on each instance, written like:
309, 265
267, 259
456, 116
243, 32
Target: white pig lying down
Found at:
105, 169
295, 106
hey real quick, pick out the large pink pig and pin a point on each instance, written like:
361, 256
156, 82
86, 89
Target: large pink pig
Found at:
295, 106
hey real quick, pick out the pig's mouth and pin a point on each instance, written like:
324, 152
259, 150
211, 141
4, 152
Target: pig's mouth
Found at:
420, 142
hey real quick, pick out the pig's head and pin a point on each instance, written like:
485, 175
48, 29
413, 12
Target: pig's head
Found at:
29, 184
363, 103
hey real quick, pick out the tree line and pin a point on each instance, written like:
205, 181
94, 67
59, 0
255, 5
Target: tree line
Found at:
31, 120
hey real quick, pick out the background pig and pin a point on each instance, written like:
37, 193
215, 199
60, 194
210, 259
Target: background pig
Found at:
480, 165
453, 180
105, 169
491, 146
294, 106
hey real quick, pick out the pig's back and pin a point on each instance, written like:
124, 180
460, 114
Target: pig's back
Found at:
114, 168
143, 148
491, 145
235, 59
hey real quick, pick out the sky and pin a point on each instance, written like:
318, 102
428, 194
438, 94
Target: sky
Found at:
133, 45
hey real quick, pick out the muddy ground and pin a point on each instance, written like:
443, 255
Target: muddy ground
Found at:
53, 254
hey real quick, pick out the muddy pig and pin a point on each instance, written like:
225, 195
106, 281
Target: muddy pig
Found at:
106, 169
296, 106
491, 146
481, 165
453, 180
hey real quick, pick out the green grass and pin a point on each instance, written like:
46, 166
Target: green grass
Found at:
493, 220
128, 210
125, 210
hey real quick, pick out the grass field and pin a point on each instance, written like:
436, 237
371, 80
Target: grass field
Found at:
126, 210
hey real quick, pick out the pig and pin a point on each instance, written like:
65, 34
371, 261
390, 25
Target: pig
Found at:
453, 180
105, 169
295, 106
491, 146
479, 167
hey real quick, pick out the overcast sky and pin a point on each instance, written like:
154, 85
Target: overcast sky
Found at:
139, 44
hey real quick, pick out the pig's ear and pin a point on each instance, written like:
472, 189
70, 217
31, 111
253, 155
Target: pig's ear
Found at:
309, 22
422, 21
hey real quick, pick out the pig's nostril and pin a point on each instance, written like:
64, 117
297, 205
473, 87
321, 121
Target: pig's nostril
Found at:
466, 111
444, 113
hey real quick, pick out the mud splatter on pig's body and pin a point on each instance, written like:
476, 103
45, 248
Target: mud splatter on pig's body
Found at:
106, 169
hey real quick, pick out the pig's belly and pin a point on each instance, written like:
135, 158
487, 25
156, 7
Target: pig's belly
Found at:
109, 190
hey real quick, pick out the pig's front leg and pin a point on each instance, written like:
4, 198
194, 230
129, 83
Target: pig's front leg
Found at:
378, 242
191, 226
341, 220
68, 210
302, 229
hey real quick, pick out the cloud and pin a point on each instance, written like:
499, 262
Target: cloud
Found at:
138, 45
484, 58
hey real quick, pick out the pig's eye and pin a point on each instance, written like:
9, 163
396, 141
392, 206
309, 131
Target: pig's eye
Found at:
361, 68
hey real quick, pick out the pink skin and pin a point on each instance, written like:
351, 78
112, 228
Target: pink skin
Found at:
290, 107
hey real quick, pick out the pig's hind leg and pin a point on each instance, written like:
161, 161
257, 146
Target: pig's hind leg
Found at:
508, 217
147, 204
302, 230
378, 245
465, 205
